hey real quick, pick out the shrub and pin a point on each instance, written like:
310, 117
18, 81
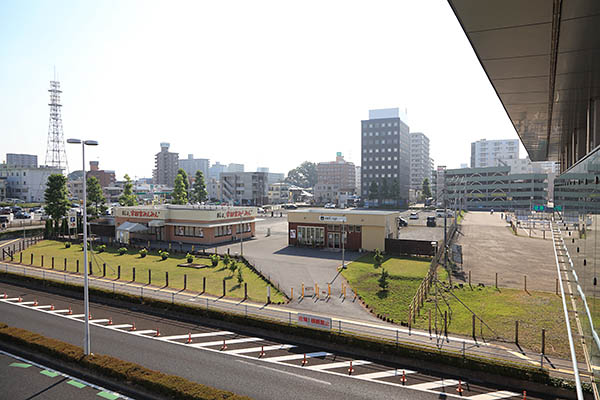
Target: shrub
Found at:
164, 255
240, 277
190, 258
377, 258
143, 253
67, 245
214, 259
101, 248
122, 250
232, 266
226, 259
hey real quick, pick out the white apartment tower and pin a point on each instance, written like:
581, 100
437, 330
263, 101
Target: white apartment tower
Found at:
420, 163
485, 153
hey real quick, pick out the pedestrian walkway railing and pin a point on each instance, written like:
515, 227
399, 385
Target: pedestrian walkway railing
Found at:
432, 341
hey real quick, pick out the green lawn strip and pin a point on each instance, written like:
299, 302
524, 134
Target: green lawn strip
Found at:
257, 287
406, 275
158, 383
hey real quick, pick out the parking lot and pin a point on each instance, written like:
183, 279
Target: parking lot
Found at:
417, 229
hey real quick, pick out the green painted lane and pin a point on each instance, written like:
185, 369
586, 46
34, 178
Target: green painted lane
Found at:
78, 385
19, 365
51, 374
108, 395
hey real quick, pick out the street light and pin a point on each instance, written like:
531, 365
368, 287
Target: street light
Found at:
86, 299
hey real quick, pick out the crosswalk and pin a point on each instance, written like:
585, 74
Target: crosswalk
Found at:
289, 355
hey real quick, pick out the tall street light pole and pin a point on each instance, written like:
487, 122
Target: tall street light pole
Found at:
86, 299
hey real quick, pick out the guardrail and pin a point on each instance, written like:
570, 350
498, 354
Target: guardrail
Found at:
20, 223
429, 341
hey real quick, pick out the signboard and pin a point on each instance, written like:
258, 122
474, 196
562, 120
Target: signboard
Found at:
139, 213
314, 321
457, 253
292, 234
331, 218
72, 219
537, 207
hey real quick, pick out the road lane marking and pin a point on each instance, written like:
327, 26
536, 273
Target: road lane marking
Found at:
41, 307
78, 385
99, 321
59, 311
263, 348
286, 373
434, 384
232, 341
74, 316
19, 365
515, 353
493, 395
51, 374
118, 327
144, 332
384, 374
197, 335
340, 364
297, 356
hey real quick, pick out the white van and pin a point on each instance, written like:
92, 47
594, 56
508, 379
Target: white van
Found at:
439, 213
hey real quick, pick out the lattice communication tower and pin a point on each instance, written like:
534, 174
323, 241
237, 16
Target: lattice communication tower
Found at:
56, 155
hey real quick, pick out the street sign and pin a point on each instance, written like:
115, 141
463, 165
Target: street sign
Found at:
539, 207
314, 321
72, 219
331, 218
558, 208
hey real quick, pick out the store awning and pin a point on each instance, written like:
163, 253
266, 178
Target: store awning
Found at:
156, 223
132, 227
212, 225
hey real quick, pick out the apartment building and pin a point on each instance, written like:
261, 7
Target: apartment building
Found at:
485, 153
166, 165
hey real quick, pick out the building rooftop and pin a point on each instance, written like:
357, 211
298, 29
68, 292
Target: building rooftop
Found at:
343, 211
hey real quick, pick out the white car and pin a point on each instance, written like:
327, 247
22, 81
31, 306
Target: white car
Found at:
414, 215
329, 205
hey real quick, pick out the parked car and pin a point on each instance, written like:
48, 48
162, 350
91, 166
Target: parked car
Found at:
439, 213
5, 211
22, 215
414, 215
329, 205
15, 209
402, 222
4, 219
431, 221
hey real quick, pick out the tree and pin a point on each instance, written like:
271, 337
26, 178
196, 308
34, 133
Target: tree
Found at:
199, 193
383, 279
95, 198
233, 266
127, 197
373, 191
179, 194
377, 258
305, 175
186, 180
56, 198
426, 188
240, 277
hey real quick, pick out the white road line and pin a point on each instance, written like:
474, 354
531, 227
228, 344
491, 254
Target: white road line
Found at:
99, 321
384, 374
434, 384
26, 303
144, 332
297, 356
197, 335
117, 327
59, 311
232, 341
341, 364
41, 307
258, 349
11, 299
493, 395
514, 353
286, 373
76, 316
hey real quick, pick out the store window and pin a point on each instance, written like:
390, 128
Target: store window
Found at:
357, 228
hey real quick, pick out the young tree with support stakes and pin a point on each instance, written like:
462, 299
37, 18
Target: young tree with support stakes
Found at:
95, 197
426, 189
56, 198
199, 193
377, 258
127, 197
179, 194
383, 280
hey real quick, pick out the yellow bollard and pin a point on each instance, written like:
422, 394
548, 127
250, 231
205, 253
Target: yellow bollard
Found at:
292, 296
302, 290
328, 290
317, 290
192, 248
344, 291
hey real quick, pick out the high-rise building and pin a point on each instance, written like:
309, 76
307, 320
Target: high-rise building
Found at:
334, 177
235, 167
357, 177
215, 170
485, 153
420, 163
166, 165
106, 178
21, 160
191, 165
385, 149
244, 188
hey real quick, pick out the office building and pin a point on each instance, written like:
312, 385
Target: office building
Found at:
385, 150
244, 188
27, 183
215, 170
190, 165
105, 178
420, 163
438, 185
357, 186
21, 160
485, 153
213, 189
75, 189
166, 165
333, 178
279, 193
2, 188
235, 168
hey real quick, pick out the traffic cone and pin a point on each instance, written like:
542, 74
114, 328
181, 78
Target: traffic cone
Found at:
351, 369
524, 394
20, 300
51, 307
90, 316
35, 303
224, 347
189, 339
304, 360
262, 352
459, 389
403, 377
132, 326
5, 295
70, 311
110, 321
157, 333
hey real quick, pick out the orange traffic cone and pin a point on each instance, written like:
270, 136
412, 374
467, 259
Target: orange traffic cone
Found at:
304, 360
5, 295
403, 377
132, 326
110, 321
35, 303
189, 339
524, 394
20, 299
51, 307
157, 333
350, 370
90, 316
262, 352
459, 389
224, 347
70, 311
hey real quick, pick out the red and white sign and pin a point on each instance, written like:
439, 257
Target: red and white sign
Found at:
314, 321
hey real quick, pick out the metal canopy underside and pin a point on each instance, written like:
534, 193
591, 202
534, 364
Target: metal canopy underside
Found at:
543, 59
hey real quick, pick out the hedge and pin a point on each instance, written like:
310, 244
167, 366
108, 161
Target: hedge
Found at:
154, 381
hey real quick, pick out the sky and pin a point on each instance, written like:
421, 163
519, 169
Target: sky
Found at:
263, 83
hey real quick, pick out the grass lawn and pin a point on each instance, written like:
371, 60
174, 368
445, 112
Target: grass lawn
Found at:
257, 288
406, 275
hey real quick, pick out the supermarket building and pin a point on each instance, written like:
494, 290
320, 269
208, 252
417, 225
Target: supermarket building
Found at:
320, 227
203, 225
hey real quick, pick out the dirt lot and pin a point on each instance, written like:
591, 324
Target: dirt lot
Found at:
489, 246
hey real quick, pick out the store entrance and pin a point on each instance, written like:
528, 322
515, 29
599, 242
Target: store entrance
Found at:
333, 240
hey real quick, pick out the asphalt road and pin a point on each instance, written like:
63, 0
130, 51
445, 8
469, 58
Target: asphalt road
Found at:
24, 379
275, 375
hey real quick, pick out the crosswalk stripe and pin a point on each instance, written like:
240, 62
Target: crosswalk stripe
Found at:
434, 384
493, 395
384, 374
355, 363
232, 341
297, 356
265, 348
197, 335
120, 326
